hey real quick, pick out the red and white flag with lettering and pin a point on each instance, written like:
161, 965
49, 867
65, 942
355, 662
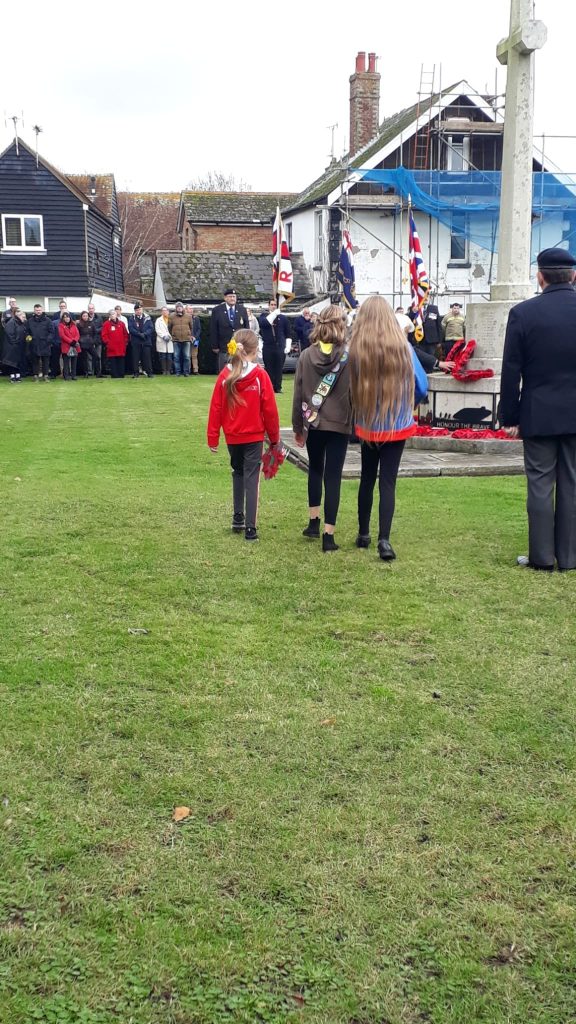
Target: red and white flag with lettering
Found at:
282, 275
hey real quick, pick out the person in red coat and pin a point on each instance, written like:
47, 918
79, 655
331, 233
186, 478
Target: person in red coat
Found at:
69, 345
115, 336
244, 407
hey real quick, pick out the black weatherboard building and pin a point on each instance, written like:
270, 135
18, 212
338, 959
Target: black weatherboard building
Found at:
55, 238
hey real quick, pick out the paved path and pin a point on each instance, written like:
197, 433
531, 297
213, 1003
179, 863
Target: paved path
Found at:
423, 463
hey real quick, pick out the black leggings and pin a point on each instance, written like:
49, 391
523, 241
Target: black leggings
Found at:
386, 457
326, 454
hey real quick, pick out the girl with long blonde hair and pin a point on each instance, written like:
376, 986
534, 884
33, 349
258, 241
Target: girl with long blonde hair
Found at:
244, 407
322, 418
386, 381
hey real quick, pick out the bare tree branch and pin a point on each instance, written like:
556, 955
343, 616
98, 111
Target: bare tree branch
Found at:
148, 223
216, 181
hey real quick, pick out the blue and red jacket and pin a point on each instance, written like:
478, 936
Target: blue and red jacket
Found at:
403, 425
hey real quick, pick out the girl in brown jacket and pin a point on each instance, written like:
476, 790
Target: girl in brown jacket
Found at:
322, 418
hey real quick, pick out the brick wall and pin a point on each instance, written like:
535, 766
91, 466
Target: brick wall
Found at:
227, 239
364, 102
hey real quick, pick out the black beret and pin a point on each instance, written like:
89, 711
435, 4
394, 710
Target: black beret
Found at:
229, 291
555, 259
137, 305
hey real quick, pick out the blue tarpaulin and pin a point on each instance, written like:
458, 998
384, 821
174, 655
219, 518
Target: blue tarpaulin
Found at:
468, 202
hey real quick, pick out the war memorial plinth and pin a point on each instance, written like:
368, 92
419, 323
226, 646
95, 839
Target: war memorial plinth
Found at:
474, 404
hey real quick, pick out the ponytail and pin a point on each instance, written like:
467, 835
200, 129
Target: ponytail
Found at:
237, 363
244, 343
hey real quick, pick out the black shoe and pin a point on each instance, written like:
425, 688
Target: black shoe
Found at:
328, 542
313, 528
251, 533
386, 551
238, 523
363, 540
524, 562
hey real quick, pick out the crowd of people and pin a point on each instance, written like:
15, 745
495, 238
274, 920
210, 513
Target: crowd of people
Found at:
371, 380
67, 344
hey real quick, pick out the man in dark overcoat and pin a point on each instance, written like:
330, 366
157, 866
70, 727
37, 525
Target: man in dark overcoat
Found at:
538, 404
431, 324
229, 316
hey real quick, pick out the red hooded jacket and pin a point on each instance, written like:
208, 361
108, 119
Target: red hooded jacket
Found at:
249, 422
115, 337
69, 335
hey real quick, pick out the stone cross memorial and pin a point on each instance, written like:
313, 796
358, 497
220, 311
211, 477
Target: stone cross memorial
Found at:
486, 321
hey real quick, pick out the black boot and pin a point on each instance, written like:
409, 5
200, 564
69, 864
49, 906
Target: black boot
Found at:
328, 542
386, 551
313, 528
363, 540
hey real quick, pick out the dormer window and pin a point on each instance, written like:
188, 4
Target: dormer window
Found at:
22, 232
458, 153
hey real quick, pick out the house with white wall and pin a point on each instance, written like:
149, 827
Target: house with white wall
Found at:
445, 152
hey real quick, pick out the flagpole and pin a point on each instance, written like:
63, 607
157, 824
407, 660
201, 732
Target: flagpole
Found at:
277, 257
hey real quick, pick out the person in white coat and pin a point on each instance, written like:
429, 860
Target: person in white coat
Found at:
164, 343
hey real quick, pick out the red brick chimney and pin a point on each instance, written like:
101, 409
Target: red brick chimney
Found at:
364, 102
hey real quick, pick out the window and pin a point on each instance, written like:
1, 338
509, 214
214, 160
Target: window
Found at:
458, 240
458, 153
22, 231
289, 235
318, 238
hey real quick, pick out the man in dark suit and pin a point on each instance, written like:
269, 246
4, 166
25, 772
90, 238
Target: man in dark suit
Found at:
274, 337
540, 352
226, 318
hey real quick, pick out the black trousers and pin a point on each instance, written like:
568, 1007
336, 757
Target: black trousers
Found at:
69, 365
55, 360
245, 460
116, 364
86, 361
141, 354
386, 458
41, 365
550, 464
273, 363
326, 454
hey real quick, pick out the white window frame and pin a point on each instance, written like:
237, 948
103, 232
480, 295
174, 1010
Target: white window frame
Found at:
465, 153
318, 237
462, 260
22, 217
289, 234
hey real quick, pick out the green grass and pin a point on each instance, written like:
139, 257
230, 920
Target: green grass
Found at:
378, 759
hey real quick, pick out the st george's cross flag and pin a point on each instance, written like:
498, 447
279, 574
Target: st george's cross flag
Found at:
345, 272
282, 275
419, 283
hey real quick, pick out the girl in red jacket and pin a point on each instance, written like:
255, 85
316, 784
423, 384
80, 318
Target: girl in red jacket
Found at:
244, 406
69, 345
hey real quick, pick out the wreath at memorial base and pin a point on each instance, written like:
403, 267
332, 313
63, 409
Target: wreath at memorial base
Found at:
461, 353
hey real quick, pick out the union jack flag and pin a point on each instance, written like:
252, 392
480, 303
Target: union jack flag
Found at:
282, 275
419, 283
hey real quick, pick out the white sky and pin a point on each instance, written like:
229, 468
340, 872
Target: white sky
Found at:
162, 94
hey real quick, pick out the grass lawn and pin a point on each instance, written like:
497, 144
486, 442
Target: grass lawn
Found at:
378, 759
